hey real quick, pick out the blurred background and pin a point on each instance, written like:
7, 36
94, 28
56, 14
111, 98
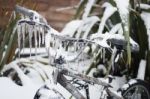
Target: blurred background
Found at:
53, 11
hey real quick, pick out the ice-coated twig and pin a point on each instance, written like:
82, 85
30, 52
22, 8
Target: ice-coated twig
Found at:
35, 37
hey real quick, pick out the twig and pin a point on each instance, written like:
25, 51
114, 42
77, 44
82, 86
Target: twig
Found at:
67, 8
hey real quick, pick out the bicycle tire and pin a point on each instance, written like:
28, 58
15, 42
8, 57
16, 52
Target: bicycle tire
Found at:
48, 93
135, 89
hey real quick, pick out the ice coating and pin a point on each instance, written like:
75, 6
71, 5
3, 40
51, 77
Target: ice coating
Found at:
109, 10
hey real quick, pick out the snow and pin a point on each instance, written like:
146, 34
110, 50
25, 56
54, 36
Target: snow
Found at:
49, 94
32, 82
141, 70
41, 71
85, 26
101, 39
11, 90
95, 91
115, 29
143, 6
146, 18
25, 80
117, 94
71, 27
132, 81
35, 36
27, 51
118, 82
92, 20
102, 67
124, 87
88, 8
123, 8
109, 10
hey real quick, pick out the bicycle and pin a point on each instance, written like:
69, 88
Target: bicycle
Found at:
60, 72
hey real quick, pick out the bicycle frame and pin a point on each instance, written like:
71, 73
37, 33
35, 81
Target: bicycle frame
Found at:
59, 76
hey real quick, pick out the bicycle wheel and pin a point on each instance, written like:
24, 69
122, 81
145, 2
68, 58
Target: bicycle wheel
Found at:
47, 93
136, 89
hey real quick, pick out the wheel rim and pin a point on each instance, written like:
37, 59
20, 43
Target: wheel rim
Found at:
137, 92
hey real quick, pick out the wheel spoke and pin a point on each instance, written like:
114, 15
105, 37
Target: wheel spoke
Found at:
137, 92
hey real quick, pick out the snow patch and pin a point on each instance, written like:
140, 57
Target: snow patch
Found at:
109, 10
123, 8
71, 27
12, 91
141, 70
88, 8
146, 18
143, 6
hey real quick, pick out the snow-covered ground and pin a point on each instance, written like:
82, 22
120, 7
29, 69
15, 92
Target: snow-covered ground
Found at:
9, 90
35, 79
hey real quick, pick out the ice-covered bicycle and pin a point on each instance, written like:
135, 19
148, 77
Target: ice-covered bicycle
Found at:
135, 89
61, 73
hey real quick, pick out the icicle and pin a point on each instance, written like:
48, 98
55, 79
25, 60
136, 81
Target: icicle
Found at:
43, 37
30, 37
35, 38
39, 33
48, 39
19, 39
23, 35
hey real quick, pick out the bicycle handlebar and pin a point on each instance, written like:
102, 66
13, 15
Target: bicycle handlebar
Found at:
80, 40
23, 10
121, 42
